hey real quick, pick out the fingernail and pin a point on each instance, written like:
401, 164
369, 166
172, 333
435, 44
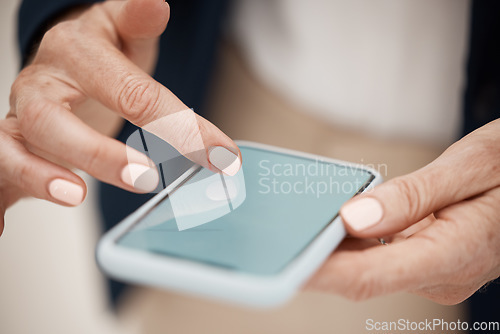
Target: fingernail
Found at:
65, 191
141, 177
224, 160
362, 214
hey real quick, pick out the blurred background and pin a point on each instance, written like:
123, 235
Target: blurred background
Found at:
49, 282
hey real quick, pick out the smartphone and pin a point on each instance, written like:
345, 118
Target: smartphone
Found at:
253, 238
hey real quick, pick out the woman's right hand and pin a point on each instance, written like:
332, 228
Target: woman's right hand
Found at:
104, 52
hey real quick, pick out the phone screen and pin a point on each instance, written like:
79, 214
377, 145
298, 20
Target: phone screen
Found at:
255, 222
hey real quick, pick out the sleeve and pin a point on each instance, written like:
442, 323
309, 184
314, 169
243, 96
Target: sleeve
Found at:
34, 17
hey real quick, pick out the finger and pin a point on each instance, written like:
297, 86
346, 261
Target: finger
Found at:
380, 270
466, 169
443, 254
37, 177
148, 104
122, 86
412, 229
64, 136
139, 24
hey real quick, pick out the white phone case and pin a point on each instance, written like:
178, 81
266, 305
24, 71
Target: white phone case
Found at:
194, 278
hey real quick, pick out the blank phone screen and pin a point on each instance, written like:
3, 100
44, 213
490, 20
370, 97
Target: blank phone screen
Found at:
255, 222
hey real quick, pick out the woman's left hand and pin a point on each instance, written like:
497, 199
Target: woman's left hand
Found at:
443, 221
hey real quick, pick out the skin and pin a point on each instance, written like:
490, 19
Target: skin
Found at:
96, 59
442, 220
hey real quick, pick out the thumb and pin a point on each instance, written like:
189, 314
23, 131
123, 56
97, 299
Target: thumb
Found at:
459, 173
394, 205
142, 19
139, 23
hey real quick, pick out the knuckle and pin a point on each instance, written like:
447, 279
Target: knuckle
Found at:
31, 116
189, 136
362, 288
138, 99
61, 35
15, 92
22, 176
15, 96
9, 130
409, 191
20, 86
94, 157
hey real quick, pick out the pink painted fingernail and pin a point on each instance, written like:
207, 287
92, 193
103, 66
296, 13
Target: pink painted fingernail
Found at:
66, 191
362, 213
224, 160
141, 177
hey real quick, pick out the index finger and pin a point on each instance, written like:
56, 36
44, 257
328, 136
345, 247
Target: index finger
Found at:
108, 76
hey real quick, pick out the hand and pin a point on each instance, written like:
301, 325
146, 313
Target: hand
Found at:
444, 220
102, 53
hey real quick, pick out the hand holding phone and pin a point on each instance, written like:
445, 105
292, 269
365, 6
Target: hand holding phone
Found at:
253, 238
